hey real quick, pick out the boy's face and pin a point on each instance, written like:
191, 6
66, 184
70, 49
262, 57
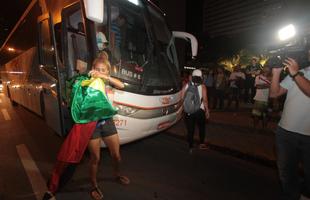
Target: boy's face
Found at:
102, 68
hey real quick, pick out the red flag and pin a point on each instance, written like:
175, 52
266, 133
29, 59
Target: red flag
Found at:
73, 148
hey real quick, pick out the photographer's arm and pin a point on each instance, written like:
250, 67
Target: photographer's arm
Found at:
275, 89
262, 86
205, 101
301, 81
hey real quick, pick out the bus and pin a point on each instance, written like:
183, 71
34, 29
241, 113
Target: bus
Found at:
54, 38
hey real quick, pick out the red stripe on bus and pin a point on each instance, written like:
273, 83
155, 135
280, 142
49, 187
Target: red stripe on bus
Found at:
143, 108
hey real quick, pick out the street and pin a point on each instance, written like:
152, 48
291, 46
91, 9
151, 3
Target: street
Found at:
159, 167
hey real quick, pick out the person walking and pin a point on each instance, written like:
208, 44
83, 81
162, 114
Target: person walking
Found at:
196, 109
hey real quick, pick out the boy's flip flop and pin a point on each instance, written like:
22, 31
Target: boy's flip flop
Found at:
122, 180
203, 146
96, 194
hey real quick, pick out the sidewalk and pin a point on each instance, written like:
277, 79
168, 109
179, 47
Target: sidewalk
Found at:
234, 132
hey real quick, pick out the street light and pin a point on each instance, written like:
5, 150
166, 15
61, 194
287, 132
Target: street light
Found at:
11, 49
287, 32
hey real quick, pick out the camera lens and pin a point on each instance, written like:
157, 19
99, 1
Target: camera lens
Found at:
274, 62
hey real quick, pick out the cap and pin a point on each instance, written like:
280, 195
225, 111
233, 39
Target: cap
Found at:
197, 72
101, 39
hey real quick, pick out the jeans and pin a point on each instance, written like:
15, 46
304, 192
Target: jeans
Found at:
234, 94
293, 148
190, 121
219, 96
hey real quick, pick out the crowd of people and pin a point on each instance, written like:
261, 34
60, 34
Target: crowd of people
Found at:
258, 85
249, 85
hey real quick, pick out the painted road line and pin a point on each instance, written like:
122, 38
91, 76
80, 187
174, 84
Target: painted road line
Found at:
5, 114
37, 181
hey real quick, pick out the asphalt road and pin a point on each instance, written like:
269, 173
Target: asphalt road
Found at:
160, 167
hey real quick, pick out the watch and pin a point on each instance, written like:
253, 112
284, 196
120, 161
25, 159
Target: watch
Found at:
296, 74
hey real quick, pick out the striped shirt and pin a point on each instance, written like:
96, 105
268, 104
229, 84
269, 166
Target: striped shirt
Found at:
117, 32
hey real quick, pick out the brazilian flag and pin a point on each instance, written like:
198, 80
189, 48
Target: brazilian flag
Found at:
89, 101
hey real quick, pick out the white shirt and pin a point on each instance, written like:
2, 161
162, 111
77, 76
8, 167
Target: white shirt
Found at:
200, 94
261, 94
234, 76
296, 112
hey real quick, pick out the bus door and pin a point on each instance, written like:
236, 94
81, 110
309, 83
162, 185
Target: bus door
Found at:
49, 66
75, 54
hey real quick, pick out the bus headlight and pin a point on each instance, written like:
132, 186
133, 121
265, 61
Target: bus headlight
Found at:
125, 110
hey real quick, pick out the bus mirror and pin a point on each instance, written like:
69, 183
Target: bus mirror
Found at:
188, 37
94, 10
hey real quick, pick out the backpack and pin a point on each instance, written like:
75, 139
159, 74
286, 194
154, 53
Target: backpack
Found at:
192, 99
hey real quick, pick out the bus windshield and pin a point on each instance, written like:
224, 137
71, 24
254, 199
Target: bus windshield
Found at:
140, 47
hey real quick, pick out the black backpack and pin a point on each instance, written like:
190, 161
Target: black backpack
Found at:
192, 99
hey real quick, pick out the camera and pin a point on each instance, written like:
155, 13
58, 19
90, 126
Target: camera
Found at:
298, 50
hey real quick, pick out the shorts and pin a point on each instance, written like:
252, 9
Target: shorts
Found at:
104, 128
260, 109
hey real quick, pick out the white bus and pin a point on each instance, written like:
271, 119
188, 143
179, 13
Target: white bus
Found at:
53, 37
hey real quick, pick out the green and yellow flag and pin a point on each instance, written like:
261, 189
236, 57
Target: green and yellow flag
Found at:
90, 101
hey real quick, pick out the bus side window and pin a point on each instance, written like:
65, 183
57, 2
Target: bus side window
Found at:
77, 53
46, 49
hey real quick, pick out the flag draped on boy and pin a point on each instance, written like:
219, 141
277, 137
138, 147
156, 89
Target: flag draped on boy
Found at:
89, 103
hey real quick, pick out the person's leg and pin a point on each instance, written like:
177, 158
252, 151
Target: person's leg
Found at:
246, 93
237, 98
215, 99
305, 146
288, 157
230, 98
113, 144
221, 96
201, 121
210, 92
190, 125
94, 150
253, 91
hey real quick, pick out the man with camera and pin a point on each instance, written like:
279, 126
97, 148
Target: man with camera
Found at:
293, 132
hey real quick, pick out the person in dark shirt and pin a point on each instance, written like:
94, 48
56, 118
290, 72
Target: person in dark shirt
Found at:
251, 72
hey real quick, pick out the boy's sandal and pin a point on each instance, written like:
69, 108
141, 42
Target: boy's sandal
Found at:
122, 180
48, 196
96, 194
203, 146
